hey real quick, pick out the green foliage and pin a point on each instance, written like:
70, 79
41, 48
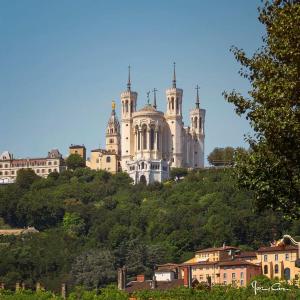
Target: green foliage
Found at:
25, 177
272, 167
139, 226
224, 156
94, 268
73, 224
75, 161
178, 172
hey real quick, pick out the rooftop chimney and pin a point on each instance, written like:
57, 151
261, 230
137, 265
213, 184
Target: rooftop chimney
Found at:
187, 278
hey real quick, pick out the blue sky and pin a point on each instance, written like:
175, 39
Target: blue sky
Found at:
62, 62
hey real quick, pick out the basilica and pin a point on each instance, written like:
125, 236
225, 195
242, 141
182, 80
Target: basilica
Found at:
149, 142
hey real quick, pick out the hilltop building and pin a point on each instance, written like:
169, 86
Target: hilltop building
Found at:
78, 149
9, 166
151, 141
109, 158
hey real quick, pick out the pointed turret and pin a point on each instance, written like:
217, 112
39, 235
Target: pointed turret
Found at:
129, 81
197, 97
113, 131
174, 75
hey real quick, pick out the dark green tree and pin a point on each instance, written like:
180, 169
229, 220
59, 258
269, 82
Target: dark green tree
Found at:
25, 177
75, 161
272, 167
94, 268
221, 156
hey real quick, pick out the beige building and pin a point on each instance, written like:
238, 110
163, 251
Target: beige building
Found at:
108, 159
279, 261
9, 166
78, 149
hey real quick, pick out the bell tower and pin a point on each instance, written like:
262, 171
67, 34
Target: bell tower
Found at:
129, 103
174, 119
113, 135
197, 119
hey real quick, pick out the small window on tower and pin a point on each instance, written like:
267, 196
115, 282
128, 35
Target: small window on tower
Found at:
108, 159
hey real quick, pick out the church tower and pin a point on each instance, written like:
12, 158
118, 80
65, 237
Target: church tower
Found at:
113, 135
197, 119
174, 119
129, 103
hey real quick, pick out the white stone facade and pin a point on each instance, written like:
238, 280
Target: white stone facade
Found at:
152, 141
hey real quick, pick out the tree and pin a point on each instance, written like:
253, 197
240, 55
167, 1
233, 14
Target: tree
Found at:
25, 177
73, 224
221, 156
94, 268
272, 167
178, 172
75, 161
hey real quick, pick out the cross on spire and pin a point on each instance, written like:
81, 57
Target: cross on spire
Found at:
197, 98
129, 82
154, 96
174, 75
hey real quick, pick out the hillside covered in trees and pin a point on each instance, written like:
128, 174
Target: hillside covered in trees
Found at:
92, 222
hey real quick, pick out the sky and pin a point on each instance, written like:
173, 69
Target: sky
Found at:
62, 62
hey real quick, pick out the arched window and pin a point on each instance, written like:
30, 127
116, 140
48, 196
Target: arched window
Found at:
143, 179
131, 106
276, 269
144, 132
111, 130
108, 159
177, 104
287, 273
265, 269
172, 103
111, 141
142, 165
151, 139
196, 122
139, 140
126, 106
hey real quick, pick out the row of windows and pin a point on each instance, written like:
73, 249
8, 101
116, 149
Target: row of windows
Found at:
234, 282
29, 164
287, 257
233, 275
108, 160
7, 173
36, 171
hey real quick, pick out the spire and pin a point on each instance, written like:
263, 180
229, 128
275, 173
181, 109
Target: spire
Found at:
197, 98
174, 75
129, 82
148, 98
154, 100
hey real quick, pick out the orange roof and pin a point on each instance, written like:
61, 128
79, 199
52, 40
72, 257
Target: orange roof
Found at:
277, 248
237, 263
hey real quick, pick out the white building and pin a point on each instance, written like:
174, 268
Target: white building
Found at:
153, 141
9, 165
